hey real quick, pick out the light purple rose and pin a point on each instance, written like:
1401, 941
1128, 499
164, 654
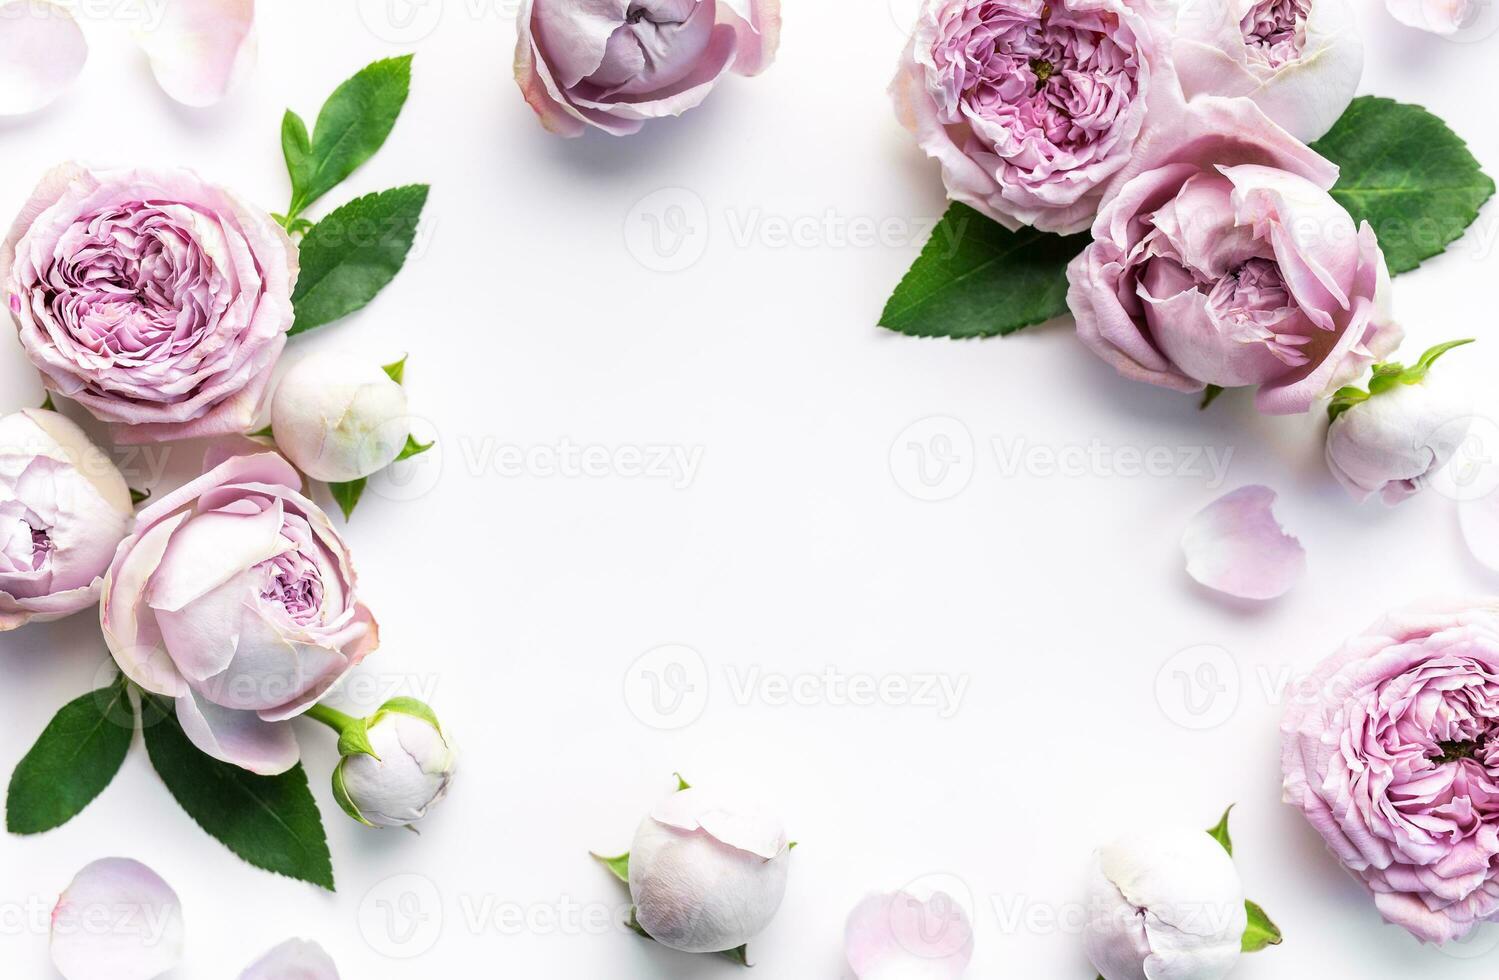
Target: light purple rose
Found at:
64, 508
1224, 261
1299, 60
236, 598
1032, 107
615, 64
157, 301
1389, 750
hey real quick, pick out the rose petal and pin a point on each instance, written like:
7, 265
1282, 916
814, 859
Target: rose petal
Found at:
897, 935
117, 921
239, 738
42, 51
200, 49
694, 809
1236, 546
295, 959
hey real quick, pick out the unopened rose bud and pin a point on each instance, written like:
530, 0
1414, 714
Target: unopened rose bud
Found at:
1165, 904
706, 878
396, 765
1392, 439
339, 418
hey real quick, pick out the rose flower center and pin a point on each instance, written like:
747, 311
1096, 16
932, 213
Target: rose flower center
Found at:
1275, 30
295, 584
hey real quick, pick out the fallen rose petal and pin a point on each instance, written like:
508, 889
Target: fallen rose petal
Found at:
896, 935
295, 959
200, 49
117, 921
1236, 546
42, 51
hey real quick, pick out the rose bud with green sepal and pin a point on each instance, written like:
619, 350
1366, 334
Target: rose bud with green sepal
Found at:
397, 764
1394, 437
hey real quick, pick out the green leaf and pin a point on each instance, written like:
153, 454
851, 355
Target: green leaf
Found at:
1261, 932
271, 822
397, 371
620, 866
76, 757
1408, 175
353, 253
1220, 833
347, 495
975, 278
413, 448
351, 127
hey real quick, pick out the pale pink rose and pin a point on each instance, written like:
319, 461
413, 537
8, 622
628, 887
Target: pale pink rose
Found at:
615, 64
1390, 751
157, 301
64, 508
1032, 107
1224, 261
236, 598
1299, 60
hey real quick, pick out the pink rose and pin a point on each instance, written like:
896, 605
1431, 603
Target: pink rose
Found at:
614, 64
158, 302
1389, 751
64, 508
1299, 60
1032, 107
1224, 261
236, 597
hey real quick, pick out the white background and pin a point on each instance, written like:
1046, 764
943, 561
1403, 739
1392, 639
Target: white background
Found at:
518, 601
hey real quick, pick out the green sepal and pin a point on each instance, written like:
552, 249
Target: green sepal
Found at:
341, 795
738, 955
408, 706
347, 495
1344, 399
47, 404
413, 448
681, 783
355, 740
1261, 931
618, 866
139, 496
1221, 835
1388, 375
1209, 395
267, 433
397, 371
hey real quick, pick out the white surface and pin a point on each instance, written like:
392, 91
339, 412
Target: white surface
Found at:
518, 603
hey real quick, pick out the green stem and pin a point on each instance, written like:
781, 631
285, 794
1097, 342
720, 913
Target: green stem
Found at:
333, 718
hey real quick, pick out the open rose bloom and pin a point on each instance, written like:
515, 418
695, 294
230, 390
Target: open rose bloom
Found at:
1033, 107
64, 508
235, 597
1299, 60
615, 64
1391, 749
1224, 261
157, 301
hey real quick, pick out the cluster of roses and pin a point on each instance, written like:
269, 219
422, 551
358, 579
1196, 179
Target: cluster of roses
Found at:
1177, 132
161, 304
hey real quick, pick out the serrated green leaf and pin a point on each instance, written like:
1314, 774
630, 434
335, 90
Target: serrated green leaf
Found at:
353, 253
620, 866
976, 278
353, 124
76, 757
272, 822
1221, 835
1407, 174
347, 495
1261, 932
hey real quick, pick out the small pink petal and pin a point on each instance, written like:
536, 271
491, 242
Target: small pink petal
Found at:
896, 936
1236, 546
200, 49
42, 51
295, 959
1479, 520
695, 809
117, 921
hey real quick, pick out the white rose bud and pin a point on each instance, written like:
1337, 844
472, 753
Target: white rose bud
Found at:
1392, 439
396, 765
1165, 904
338, 418
706, 878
